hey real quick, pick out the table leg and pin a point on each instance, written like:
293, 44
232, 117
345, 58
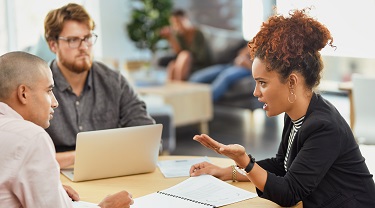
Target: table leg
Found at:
203, 127
352, 117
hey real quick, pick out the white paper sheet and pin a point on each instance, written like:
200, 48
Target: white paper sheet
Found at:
178, 168
195, 192
210, 190
83, 204
159, 200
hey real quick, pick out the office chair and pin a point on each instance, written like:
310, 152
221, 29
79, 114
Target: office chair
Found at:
364, 108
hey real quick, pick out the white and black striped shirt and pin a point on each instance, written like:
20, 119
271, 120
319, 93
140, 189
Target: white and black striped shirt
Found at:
296, 126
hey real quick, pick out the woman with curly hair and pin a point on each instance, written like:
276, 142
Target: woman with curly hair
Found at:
318, 161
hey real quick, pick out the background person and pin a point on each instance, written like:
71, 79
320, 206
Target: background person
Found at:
91, 95
30, 174
189, 45
318, 161
223, 76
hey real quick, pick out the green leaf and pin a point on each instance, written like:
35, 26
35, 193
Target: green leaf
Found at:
147, 18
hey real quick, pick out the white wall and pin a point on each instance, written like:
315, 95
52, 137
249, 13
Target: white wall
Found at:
111, 16
115, 43
339, 69
26, 26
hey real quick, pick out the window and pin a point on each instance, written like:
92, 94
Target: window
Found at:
22, 22
348, 21
3, 26
252, 18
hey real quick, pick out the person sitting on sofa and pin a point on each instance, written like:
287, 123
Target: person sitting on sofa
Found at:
188, 44
222, 76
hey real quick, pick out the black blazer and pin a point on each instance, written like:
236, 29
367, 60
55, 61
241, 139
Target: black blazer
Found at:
326, 167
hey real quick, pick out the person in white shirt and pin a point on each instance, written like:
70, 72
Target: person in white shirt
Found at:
29, 174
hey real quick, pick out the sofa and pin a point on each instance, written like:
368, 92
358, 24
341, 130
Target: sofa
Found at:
224, 45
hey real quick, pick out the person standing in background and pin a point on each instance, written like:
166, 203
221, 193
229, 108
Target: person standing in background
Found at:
92, 96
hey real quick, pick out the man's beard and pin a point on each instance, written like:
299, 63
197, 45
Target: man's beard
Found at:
78, 67
81, 67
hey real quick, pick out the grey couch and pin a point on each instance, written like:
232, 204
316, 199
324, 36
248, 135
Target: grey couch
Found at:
224, 45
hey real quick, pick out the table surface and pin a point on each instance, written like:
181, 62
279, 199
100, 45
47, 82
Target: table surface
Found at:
174, 87
143, 184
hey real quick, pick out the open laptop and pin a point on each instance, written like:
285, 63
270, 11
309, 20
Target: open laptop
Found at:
115, 152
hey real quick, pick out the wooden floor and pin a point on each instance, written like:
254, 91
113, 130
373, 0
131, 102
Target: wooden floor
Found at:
259, 134
256, 132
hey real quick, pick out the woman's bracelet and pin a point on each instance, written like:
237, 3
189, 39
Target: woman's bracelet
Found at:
234, 173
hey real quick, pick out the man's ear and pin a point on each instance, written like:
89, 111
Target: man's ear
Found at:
52, 46
22, 93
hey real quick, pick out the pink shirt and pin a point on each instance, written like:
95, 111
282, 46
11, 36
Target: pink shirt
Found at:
29, 172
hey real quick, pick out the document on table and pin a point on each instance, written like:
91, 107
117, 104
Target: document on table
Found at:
195, 192
82, 204
178, 168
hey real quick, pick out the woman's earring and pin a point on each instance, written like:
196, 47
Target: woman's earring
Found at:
294, 97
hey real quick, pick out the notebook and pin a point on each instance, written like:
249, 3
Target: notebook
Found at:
115, 152
203, 191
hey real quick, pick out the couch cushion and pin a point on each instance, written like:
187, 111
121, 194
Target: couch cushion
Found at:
224, 44
240, 95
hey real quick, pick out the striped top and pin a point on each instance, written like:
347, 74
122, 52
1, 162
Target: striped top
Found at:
296, 126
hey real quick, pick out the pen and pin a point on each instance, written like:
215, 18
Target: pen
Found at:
181, 161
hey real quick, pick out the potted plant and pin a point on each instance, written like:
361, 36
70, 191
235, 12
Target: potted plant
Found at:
147, 18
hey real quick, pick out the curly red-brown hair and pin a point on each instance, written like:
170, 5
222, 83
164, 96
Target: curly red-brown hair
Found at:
288, 44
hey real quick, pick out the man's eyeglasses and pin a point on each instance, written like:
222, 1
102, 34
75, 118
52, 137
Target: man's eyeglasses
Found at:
75, 42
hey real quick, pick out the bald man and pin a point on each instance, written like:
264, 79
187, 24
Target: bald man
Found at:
29, 175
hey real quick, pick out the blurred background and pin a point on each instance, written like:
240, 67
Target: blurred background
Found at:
21, 28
